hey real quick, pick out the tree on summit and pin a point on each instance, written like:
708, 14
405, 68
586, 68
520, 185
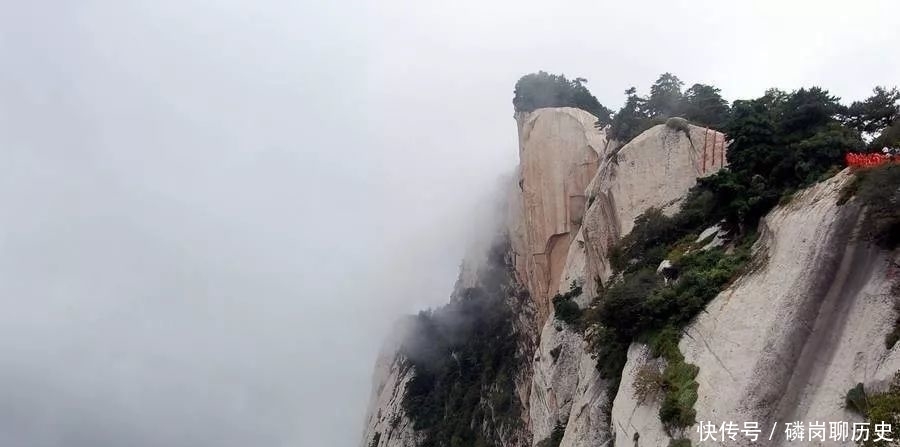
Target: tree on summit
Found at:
665, 96
704, 105
538, 90
629, 120
876, 113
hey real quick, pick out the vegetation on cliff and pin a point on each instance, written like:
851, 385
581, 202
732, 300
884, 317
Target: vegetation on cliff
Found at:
537, 90
464, 355
878, 190
878, 408
464, 360
701, 104
779, 143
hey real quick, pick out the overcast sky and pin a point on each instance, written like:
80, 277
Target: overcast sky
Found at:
210, 210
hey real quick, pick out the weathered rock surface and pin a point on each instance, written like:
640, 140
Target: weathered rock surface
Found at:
658, 168
655, 170
635, 418
789, 338
387, 425
559, 152
784, 342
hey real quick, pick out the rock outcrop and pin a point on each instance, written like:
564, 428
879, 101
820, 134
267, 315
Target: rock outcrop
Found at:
657, 169
559, 152
635, 418
792, 337
784, 341
788, 339
386, 423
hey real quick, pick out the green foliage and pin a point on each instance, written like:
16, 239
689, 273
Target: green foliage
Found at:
639, 306
645, 245
566, 309
779, 143
878, 408
555, 438
677, 408
464, 358
875, 113
680, 442
678, 123
890, 137
665, 96
625, 308
647, 382
878, 189
700, 103
631, 119
611, 351
856, 400
538, 90
704, 105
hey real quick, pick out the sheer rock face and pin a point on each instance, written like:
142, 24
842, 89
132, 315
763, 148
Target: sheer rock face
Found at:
657, 168
562, 211
636, 416
784, 342
387, 425
791, 336
789, 339
559, 152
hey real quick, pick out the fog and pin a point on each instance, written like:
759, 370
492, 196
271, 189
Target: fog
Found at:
211, 211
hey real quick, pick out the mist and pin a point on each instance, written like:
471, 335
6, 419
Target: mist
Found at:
213, 211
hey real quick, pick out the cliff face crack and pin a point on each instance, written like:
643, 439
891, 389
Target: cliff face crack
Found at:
712, 352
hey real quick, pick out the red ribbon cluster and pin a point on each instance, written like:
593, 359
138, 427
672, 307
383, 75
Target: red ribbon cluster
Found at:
866, 160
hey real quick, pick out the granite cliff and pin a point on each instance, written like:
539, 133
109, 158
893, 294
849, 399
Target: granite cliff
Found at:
785, 340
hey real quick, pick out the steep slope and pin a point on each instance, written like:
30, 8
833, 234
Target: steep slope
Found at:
559, 152
386, 422
657, 169
576, 194
787, 340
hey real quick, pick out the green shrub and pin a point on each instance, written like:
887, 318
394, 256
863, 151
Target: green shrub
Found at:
778, 144
645, 246
879, 192
856, 400
538, 90
464, 357
566, 309
678, 123
679, 386
680, 442
624, 308
677, 409
884, 408
878, 408
648, 381
639, 305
